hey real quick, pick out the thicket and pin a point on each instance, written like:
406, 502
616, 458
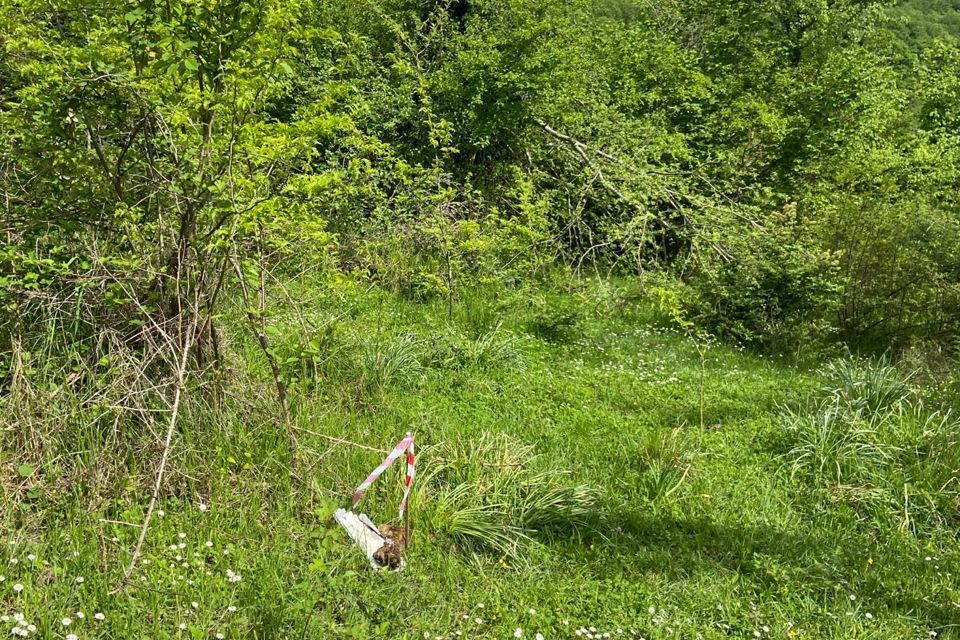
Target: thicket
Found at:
781, 169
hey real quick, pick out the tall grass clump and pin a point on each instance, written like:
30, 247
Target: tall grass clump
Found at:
832, 445
488, 351
664, 462
491, 494
866, 385
385, 362
870, 441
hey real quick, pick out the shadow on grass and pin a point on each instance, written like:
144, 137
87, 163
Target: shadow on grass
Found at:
769, 558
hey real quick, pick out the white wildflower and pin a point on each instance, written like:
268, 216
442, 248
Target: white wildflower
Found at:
518, 633
18, 587
66, 622
99, 616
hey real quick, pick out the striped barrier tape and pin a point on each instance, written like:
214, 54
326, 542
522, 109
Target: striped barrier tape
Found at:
405, 445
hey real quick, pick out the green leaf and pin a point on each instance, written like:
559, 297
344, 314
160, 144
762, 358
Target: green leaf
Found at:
25, 470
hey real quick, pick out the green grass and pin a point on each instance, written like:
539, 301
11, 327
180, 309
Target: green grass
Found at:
566, 482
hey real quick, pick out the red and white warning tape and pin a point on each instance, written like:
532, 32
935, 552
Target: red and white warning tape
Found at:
405, 445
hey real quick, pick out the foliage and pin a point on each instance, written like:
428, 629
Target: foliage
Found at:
782, 161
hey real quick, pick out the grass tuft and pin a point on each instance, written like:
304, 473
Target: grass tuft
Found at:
484, 494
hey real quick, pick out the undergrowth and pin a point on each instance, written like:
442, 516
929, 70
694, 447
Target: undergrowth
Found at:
566, 479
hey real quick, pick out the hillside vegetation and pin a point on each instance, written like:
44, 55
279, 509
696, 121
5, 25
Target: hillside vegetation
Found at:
668, 291
923, 22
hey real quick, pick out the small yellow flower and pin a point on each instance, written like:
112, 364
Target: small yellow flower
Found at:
869, 559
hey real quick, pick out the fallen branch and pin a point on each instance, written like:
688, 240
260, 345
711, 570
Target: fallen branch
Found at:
581, 150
